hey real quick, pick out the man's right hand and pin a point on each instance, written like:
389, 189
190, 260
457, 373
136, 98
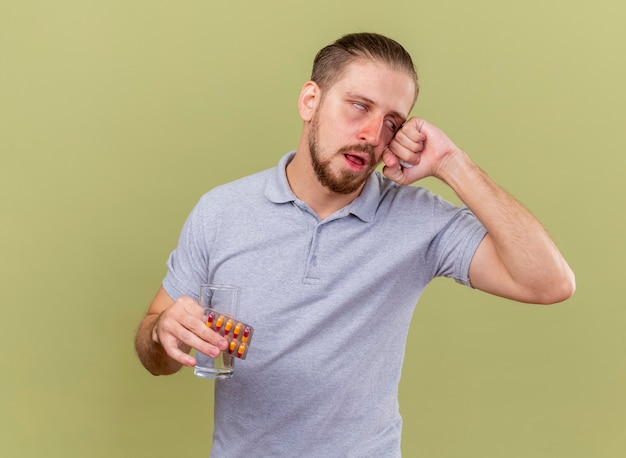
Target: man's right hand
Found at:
170, 330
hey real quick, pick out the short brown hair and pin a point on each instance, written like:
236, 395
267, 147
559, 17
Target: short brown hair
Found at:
332, 60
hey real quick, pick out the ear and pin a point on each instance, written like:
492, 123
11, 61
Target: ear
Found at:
310, 96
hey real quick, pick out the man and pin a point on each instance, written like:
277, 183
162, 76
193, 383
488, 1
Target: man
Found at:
331, 258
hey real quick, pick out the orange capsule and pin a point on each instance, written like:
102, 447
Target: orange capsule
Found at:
246, 334
241, 350
228, 326
231, 347
237, 330
219, 322
209, 319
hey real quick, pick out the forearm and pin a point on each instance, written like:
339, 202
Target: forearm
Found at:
532, 261
517, 258
149, 350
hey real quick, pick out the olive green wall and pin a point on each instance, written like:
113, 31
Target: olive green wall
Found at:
115, 116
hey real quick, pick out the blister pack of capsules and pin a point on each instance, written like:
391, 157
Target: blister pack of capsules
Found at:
237, 334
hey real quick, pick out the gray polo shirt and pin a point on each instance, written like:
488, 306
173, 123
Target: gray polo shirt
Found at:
330, 302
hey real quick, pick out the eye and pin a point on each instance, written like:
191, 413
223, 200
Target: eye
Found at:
359, 106
391, 124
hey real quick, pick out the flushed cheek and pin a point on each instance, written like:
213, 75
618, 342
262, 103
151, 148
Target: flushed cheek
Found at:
387, 135
379, 153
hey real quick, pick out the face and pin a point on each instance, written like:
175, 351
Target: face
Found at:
355, 120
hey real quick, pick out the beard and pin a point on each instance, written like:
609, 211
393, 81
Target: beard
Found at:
343, 181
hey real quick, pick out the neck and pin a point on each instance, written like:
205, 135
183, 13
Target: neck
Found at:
306, 187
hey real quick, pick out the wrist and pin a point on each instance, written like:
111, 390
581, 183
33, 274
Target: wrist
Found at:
455, 169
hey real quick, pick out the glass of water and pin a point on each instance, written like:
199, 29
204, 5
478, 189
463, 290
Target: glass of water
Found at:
221, 301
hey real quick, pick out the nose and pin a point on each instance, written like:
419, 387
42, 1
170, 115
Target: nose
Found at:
371, 131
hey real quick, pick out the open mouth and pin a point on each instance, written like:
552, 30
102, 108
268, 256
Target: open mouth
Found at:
355, 160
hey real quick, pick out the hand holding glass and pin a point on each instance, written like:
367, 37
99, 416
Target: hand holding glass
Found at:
224, 299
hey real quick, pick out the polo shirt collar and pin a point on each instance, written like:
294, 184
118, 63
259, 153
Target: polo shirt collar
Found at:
278, 189
363, 207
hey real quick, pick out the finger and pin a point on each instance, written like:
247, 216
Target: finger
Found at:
195, 333
412, 141
420, 124
211, 337
213, 348
392, 168
413, 129
180, 328
171, 347
192, 317
178, 348
406, 151
394, 174
390, 159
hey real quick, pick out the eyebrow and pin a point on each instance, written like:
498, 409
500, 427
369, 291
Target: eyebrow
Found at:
354, 95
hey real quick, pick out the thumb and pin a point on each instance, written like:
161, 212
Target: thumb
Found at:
392, 169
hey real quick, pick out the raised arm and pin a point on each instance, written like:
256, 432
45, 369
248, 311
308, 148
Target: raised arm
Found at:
517, 259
